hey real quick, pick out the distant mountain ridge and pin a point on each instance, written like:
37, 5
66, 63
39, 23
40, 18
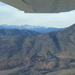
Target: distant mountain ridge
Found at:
40, 29
16, 32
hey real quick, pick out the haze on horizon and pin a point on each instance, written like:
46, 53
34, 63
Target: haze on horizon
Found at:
12, 16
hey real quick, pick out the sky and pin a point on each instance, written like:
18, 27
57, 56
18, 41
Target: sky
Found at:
12, 16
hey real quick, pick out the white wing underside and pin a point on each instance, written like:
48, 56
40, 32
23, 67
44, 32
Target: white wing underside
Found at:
42, 6
19, 4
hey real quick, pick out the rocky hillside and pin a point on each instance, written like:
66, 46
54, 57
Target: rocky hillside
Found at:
53, 51
66, 40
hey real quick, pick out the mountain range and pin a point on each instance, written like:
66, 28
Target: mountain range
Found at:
40, 54
16, 32
40, 29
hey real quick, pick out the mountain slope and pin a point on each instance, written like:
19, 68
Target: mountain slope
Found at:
67, 40
16, 32
37, 43
55, 42
51, 51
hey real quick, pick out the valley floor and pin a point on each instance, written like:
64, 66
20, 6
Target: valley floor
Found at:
32, 71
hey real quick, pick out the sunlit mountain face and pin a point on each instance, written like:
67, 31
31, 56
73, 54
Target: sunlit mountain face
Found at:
36, 44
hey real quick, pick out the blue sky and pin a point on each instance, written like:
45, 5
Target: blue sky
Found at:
12, 16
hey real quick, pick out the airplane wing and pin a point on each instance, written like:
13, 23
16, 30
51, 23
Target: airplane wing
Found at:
20, 4
42, 6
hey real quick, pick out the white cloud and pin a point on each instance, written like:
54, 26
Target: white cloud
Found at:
10, 15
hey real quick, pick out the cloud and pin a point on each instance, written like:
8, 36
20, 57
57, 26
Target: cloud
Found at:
12, 16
